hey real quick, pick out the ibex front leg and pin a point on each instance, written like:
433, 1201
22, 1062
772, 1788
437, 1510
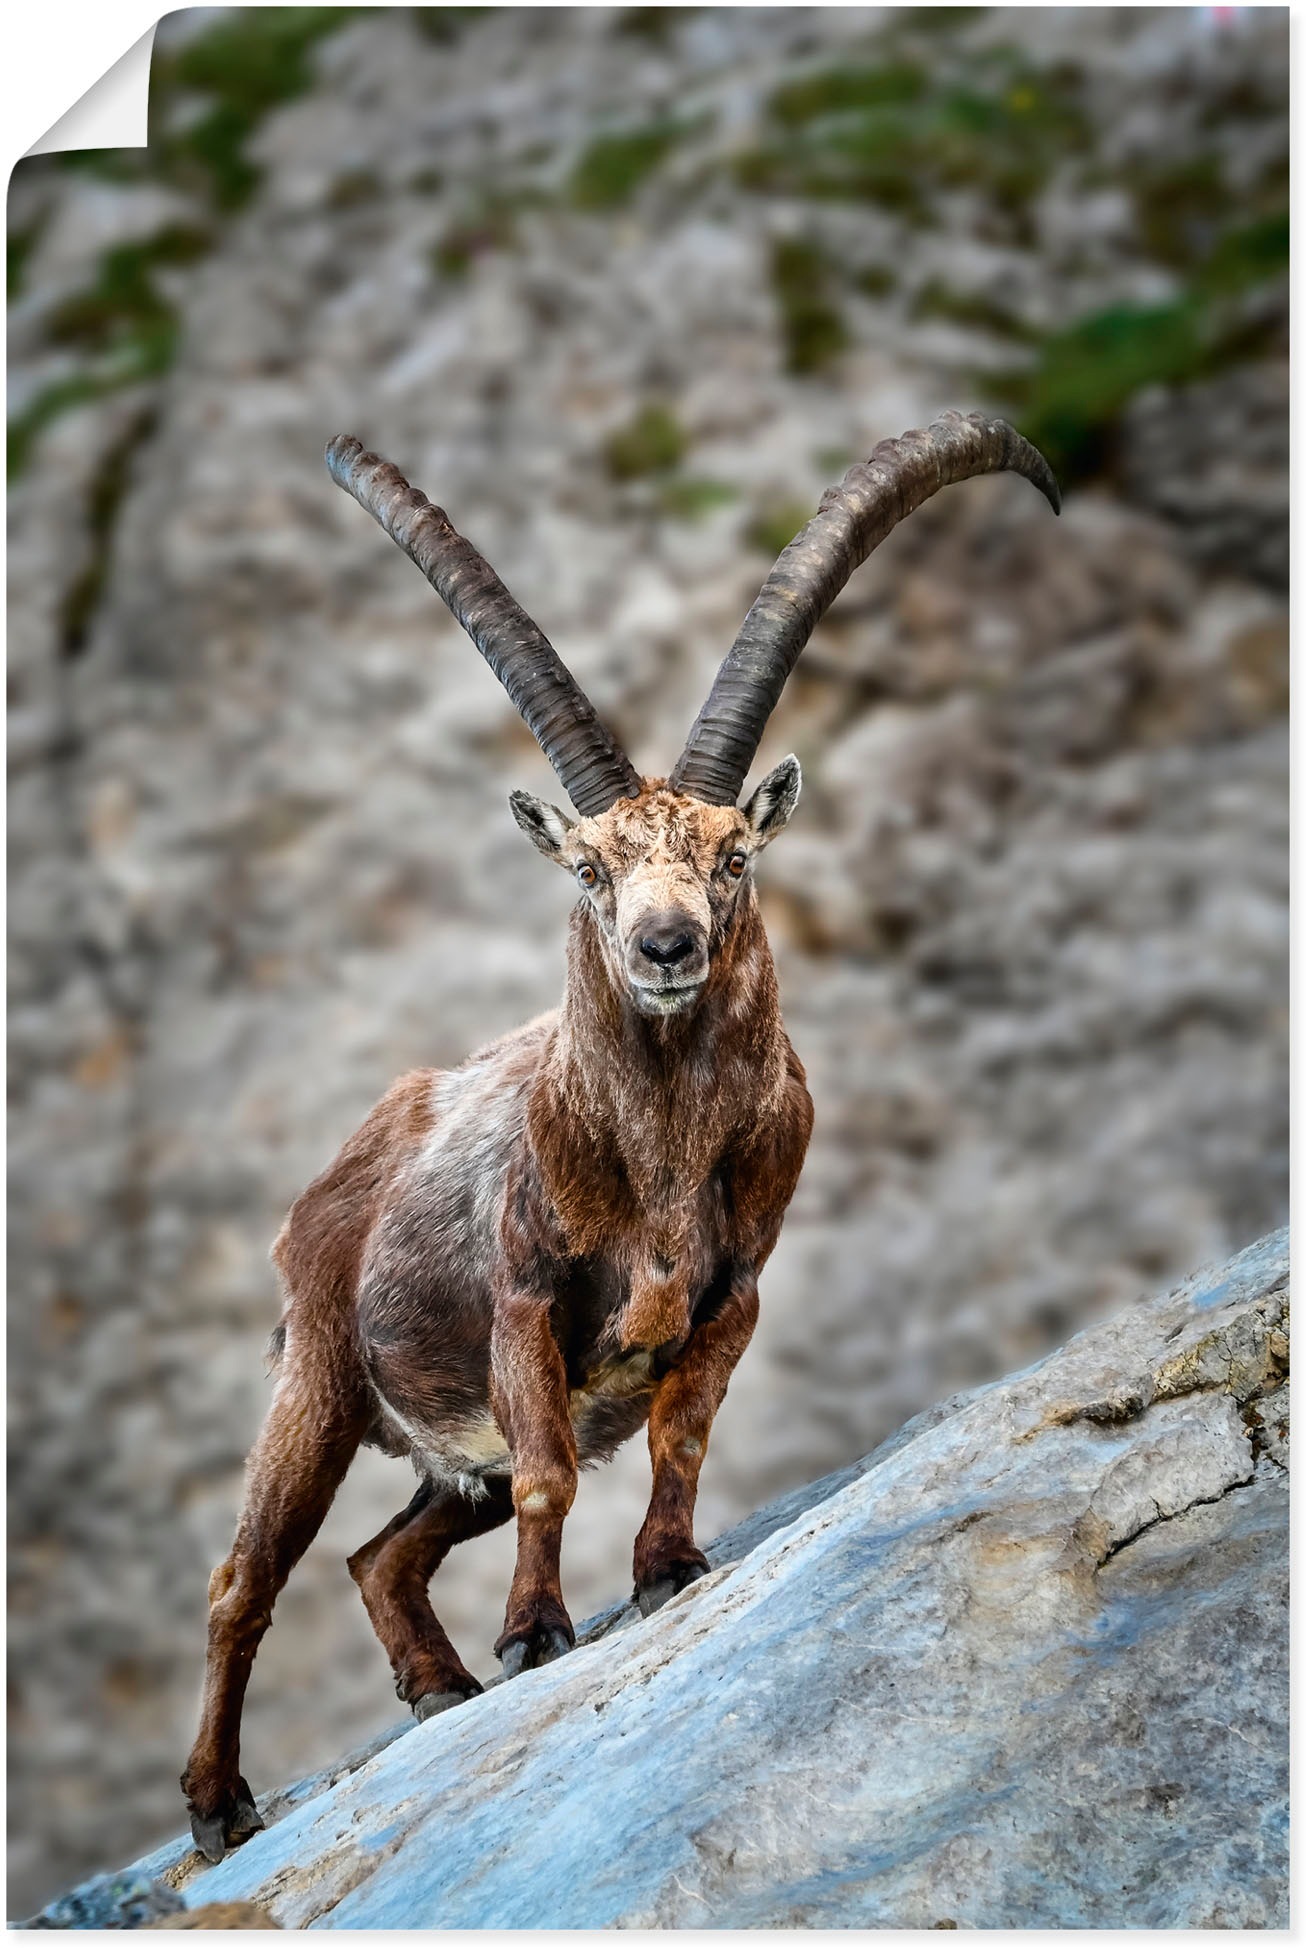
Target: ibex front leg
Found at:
529, 1392
684, 1407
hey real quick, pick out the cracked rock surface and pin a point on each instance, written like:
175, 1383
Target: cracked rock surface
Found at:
1025, 1665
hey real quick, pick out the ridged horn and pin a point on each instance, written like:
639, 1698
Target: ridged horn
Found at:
853, 518
594, 770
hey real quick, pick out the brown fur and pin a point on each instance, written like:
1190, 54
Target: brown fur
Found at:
514, 1265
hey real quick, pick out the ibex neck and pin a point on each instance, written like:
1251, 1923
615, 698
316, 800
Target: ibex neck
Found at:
616, 1066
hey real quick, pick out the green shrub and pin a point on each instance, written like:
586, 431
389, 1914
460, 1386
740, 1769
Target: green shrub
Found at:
19, 245
688, 497
108, 486
656, 24
840, 90
877, 280
613, 166
1070, 404
444, 25
123, 310
773, 527
653, 442
811, 326
896, 134
122, 323
60, 397
1247, 255
937, 300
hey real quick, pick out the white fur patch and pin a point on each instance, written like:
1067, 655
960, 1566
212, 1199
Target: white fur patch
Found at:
460, 1462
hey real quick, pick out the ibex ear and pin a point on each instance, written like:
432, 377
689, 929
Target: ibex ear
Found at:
769, 809
544, 825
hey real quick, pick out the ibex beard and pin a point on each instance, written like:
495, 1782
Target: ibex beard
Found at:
516, 1264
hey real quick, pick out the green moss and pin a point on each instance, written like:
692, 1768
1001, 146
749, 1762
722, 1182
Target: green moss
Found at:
1223, 239
123, 311
213, 149
613, 166
1176, 207
445, 25
833, 169
1248, 255
897, 135
114, 165
257, 56
1071, 403
653, 442
249, 62
104, 500
773, 527
937, 300
837, 91
125, 327
688, 497
656, 24
60, 397
811, 326
1249, 96
877, 280
1008, 136
19, 245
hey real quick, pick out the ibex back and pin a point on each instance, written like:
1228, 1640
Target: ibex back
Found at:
515, 1264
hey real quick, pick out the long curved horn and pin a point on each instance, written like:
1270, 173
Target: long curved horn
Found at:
852, 520
594, 770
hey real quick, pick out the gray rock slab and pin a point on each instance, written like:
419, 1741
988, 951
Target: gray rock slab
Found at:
1026, 1665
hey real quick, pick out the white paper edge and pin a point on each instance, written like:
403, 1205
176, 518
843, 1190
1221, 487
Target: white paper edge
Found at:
112, 114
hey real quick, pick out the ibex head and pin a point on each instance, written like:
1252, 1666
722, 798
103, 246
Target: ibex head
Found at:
664, 865
663, 875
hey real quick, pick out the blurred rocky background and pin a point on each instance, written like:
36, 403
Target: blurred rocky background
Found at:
624, 290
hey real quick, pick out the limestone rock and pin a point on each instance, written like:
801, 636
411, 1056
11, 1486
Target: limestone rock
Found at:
1226, 504
1023, 1666
131, 1899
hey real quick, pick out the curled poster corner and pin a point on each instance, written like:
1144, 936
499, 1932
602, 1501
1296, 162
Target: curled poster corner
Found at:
113, 113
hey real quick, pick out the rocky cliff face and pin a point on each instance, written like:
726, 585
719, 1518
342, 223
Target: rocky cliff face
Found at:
1023, 1666
624, 292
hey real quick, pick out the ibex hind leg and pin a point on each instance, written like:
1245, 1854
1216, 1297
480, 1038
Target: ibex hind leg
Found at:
392, 1572
310, 1436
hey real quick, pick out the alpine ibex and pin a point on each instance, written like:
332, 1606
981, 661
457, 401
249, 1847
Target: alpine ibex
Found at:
515, 1264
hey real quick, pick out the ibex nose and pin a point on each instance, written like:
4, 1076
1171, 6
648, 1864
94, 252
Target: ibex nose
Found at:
666, 945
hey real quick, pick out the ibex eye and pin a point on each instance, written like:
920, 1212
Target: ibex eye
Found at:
735, 864
586, 875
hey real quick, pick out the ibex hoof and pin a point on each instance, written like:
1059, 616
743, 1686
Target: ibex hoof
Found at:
651, 1596
230, 1826
435, 1702
543, 1646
